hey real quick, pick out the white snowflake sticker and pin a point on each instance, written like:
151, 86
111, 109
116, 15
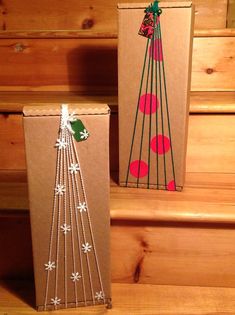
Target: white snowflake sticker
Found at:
65, 228
59, 190
99, 296
84, 134
75, 276
82, 206
86, 248
55, 301
61, 144
74, 168
50, 265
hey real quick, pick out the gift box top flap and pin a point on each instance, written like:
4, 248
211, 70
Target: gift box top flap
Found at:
165, 5
55, 110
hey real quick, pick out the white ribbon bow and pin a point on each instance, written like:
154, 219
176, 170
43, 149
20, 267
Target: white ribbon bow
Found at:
66, 118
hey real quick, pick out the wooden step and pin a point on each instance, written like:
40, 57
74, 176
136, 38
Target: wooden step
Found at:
91, 34
17, 298
200, 102
163, 237
210, 143
206, 198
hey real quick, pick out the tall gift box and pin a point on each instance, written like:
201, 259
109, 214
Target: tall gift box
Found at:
68, 176
154, 67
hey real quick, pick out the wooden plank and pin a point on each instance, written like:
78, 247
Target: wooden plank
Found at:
213, 65
164, 231
231, 14
77, 65
59, 64
87, 34
210, 146
13, 176
206, 11
200, 102
12, 142
39, 34
98, 16
17, 298
156, 253
205, 205
16, 244
173, 254
224, 32
211, 102
13, 102
206, 198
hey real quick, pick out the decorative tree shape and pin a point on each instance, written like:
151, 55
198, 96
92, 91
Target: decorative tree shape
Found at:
152, 99
71, 232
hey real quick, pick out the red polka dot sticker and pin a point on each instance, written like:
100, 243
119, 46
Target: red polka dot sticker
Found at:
171, 186
148, 104
156, 51
138, 167
160, 144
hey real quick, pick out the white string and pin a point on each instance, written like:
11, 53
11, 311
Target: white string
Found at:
65, 217
58, 227
71, 221
82, 223
77, 225
89, 219
58, 158
70, 156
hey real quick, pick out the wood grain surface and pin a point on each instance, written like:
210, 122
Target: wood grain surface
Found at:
210, 143
17, 298
89, 15
188, 235
89, 66
200, 102
231, 14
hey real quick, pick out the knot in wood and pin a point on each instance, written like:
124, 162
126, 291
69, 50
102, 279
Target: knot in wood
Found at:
19, 47
209, 71
87, 24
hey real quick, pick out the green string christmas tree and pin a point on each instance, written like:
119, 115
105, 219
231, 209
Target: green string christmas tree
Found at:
152, 112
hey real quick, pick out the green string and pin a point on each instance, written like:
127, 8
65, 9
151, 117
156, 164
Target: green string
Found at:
161, 105
137, 111
167, 109
151, 92
143, 121
156, 74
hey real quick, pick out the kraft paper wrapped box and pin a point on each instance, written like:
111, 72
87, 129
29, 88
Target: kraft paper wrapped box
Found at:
154, 70
67, 155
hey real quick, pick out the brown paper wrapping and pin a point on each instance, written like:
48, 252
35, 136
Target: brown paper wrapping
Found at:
176, 26
41, 126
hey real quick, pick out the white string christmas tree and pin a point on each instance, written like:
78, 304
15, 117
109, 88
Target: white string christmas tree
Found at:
72, 258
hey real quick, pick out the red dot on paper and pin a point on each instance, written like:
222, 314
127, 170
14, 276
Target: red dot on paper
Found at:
138, 166
155, 50
171, 185
160, 144
148, 104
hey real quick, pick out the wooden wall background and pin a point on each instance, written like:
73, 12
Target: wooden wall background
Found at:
98, 16
59, 51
